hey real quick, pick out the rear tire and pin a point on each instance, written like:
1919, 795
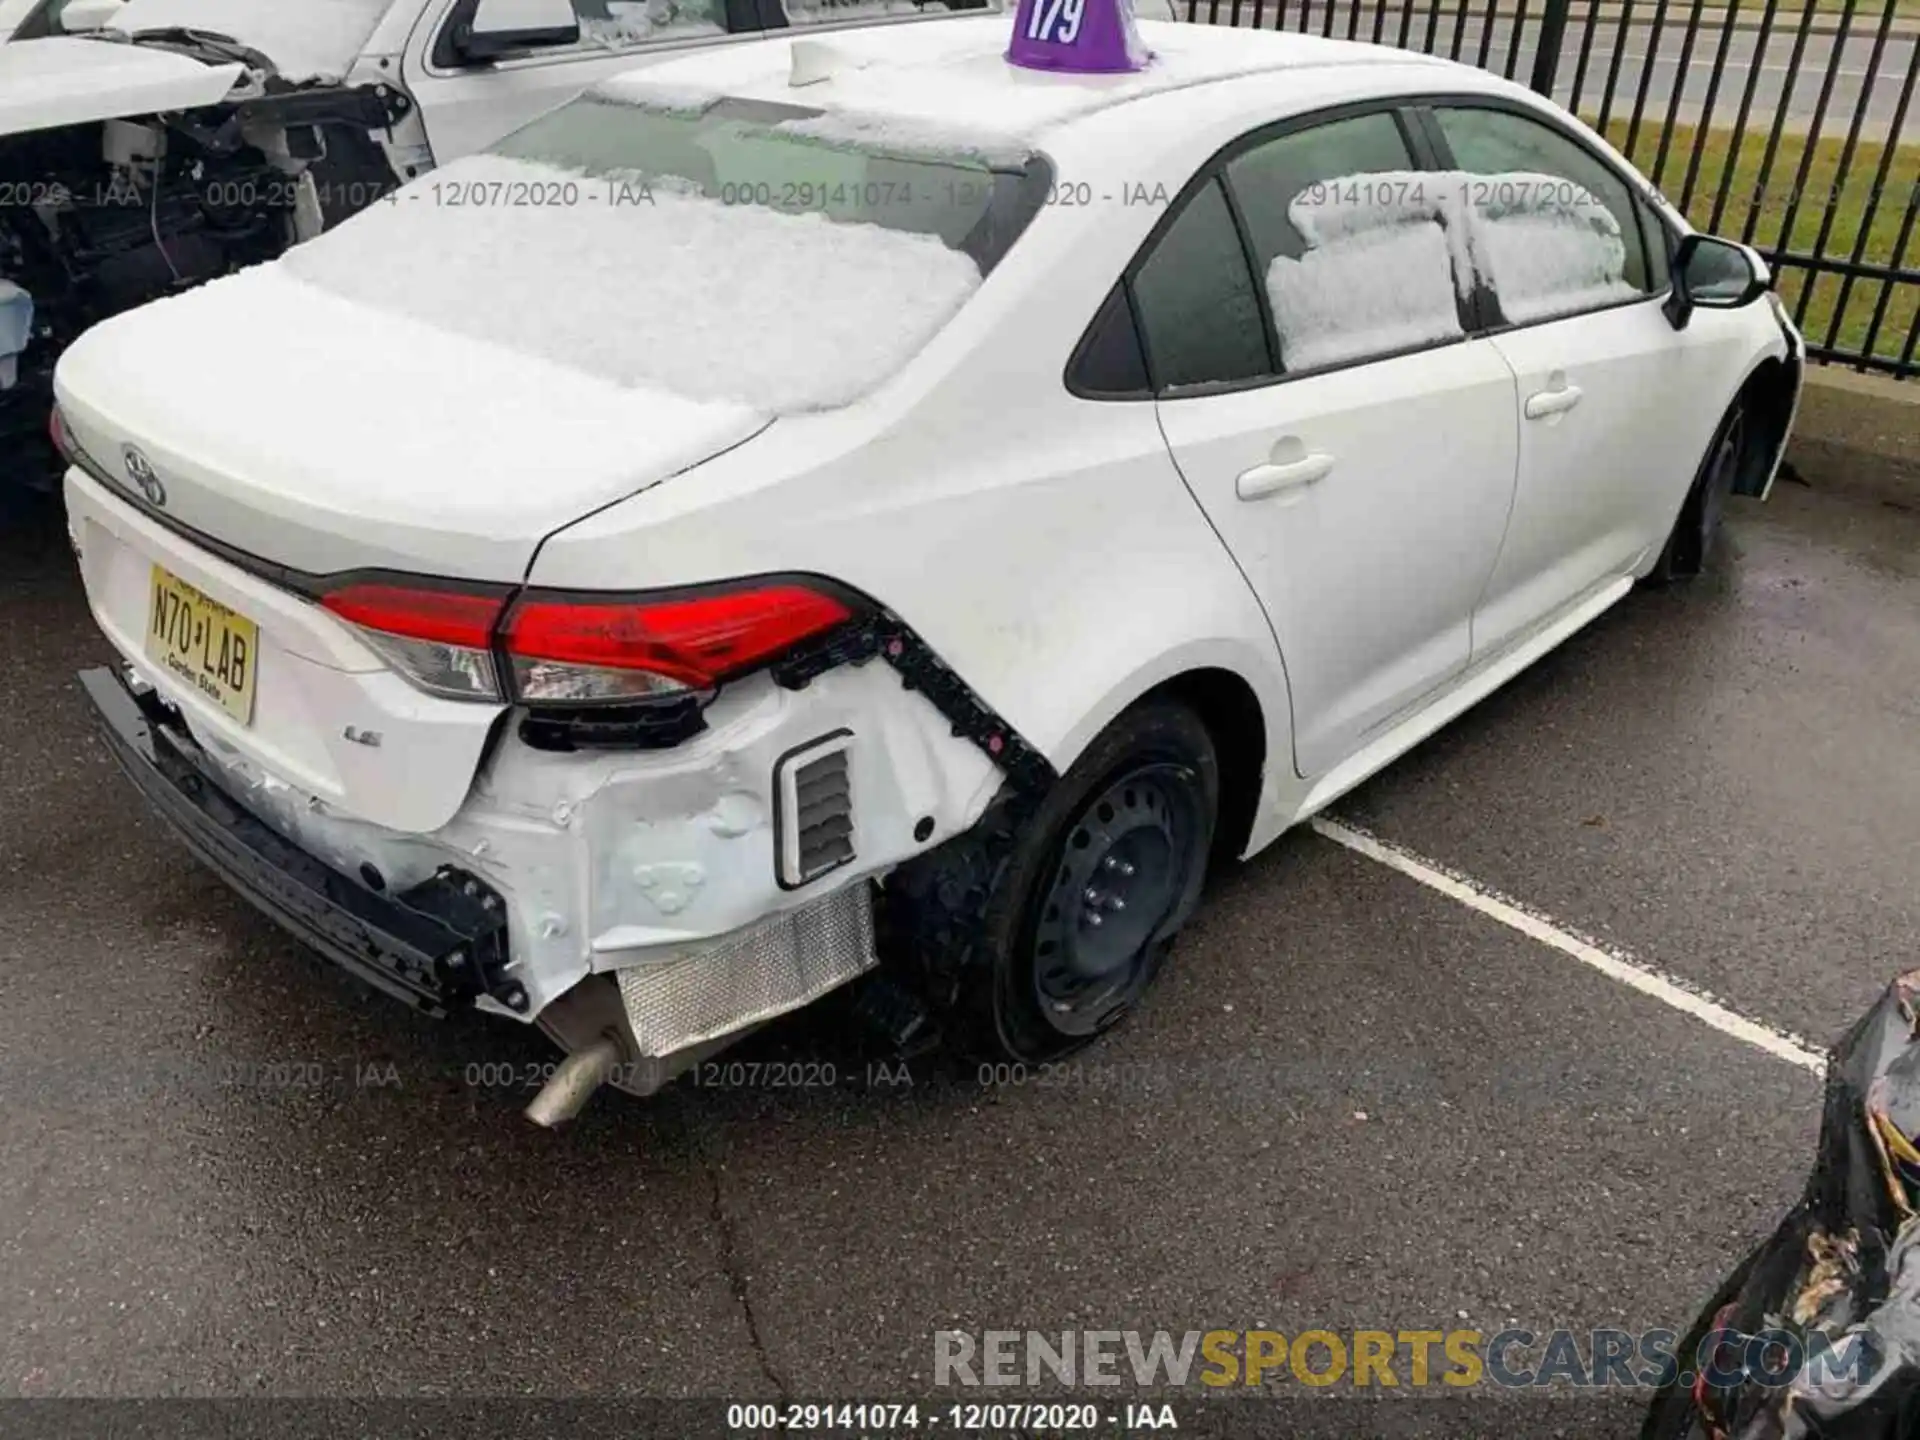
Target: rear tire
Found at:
1069, 911
1690, 540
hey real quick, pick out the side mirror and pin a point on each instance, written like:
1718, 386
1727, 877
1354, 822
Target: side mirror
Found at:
1714, 274
492, 28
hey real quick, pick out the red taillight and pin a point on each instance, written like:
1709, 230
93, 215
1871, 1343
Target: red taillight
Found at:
448, 617
58, 433
565, 649
442, 640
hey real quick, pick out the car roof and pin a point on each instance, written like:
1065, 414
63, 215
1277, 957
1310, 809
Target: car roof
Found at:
954, 73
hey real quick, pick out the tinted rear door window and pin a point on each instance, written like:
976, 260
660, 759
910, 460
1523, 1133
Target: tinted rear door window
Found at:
1198, 312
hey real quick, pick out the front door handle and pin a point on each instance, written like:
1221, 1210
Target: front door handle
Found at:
1552, 402
1274, 479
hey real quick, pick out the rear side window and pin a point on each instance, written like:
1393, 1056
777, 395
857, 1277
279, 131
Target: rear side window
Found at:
1356, 258
1109, 363
1198, 313
1269, 179
1562, 229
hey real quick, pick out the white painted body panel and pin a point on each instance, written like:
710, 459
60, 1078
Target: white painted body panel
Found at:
1479, 681
1603, 481
315, 677
1370, 573
66, 80
459, 457
1056, 541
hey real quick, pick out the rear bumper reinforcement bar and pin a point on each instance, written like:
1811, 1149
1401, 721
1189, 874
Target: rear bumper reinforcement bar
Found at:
436, 945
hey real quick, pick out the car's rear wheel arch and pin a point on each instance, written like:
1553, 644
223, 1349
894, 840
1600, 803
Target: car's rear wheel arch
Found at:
986, 922
1228, 707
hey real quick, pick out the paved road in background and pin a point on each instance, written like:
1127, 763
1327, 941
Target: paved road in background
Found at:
1780, 73
1721, 779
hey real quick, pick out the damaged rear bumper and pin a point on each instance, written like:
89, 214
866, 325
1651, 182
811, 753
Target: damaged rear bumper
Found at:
473, 915
436, 945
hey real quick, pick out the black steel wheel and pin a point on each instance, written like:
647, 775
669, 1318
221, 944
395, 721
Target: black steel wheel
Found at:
1041, 928
1127, 862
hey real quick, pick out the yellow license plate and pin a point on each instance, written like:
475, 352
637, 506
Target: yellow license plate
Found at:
212, 648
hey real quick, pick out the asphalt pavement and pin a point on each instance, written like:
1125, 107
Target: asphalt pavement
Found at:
1353, 1101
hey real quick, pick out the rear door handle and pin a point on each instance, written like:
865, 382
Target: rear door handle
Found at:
1552, 402
1264, 480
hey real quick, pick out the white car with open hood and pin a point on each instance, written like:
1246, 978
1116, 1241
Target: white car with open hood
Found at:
149, 145
798, 508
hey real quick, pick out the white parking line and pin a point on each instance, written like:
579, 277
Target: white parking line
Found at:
1609, 960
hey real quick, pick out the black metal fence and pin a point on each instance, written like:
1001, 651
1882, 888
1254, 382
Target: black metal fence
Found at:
1789, 128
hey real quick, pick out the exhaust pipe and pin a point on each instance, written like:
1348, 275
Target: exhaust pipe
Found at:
573, 1082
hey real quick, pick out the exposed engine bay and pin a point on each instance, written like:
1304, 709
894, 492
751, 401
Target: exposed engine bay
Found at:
100, 217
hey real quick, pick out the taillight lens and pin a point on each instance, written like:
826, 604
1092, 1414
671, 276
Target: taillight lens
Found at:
570, 649
573, 650
441, 640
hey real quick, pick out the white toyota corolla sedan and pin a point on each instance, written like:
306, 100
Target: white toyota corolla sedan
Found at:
815, 504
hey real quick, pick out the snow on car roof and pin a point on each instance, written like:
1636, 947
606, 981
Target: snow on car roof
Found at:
305, 39
955, 73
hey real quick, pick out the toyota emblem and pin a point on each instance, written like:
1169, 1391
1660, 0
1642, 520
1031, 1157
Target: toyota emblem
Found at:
140, 472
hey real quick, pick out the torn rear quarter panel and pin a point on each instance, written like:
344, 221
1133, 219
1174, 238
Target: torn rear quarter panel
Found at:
610, 860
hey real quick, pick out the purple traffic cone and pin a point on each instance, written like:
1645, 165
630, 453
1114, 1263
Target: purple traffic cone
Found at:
1092, 37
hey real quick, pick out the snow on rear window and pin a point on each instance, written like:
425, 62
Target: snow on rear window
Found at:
783, 312
305, 39
1388, 253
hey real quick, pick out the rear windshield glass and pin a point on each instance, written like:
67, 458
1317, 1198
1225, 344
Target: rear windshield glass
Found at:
765, 255
798, 160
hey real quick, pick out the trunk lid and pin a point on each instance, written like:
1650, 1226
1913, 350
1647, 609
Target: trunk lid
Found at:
372, 440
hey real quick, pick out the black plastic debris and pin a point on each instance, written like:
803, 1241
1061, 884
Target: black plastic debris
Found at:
1817, 1333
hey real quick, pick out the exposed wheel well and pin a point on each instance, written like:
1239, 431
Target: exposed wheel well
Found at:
1230, 710
1765, 401
1768, 396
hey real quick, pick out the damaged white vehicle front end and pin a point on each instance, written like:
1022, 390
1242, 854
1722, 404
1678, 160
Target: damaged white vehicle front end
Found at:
150, 145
